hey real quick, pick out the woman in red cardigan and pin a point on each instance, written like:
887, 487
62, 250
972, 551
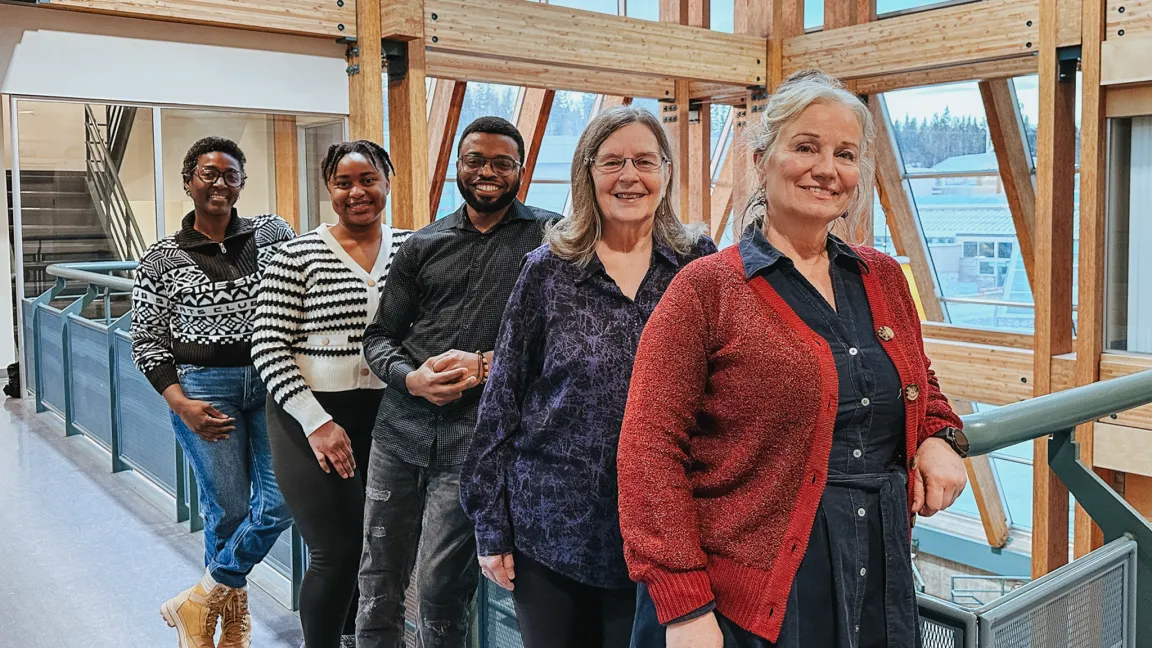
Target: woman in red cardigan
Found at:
783, 422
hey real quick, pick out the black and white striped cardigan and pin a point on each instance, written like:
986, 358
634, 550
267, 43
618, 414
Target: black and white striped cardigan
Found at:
315, 302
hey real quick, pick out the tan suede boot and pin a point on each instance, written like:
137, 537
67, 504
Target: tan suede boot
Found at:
194, 612
237, 622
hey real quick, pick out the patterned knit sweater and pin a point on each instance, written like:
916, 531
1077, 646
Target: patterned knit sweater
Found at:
194, 298
315, 302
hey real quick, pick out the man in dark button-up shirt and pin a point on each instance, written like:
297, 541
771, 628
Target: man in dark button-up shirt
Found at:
439, 314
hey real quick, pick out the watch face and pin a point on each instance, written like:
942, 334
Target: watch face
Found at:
961, 441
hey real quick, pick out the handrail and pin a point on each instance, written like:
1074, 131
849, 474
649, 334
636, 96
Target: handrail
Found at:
1011, 424
93, 273
108, 193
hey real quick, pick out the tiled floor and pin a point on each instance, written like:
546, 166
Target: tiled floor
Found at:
85, 561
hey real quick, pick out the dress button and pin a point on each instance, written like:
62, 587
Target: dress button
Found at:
865, 402
853, 351
371, 282
912, 392
861, 512
863, 571
325, 341
857, 453
885, 333
364, 372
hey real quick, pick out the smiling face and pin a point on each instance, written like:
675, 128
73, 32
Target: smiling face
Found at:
629, 196
359, 192
485, 189
215, 199
812, 171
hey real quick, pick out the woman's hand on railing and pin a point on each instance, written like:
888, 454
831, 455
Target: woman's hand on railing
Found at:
938, 477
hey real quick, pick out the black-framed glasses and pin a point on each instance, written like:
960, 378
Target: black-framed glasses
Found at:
644, 163
209, 175
501, 165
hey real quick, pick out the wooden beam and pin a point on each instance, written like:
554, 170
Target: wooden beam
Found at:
1114, 365
999, 69
699, 135
989, 337
1128, 101
612, 101
1093, 236
787, 25
1014, 161
443, 121
949, 36
985, 490
1055, 169
366, 84
408, 138
465, 67
532, 120
286, 153
401, 20
1133, 16
902, 222
981, 373
1124, 60
674, 116
574, 37
1122, 448
298, 17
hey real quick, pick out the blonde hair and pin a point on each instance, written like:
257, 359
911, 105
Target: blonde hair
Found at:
574, 238
799, 91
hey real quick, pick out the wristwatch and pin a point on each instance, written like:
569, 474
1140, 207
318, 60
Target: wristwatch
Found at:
955, 438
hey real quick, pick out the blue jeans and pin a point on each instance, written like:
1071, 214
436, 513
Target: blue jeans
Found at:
244, 512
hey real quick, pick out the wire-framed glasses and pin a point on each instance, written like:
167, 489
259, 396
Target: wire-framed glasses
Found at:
501, 165
644, 162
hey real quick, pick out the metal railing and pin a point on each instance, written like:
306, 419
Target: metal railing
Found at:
1093, 601
108, 195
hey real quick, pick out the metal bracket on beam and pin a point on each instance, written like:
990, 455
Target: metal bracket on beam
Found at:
1068, 60
351, 51
395, 55
694, 108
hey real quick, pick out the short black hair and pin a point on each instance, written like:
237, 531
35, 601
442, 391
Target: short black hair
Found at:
211, 145
494, 126
371, 150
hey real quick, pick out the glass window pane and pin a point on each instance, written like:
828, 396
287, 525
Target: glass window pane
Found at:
813, 14
600, 6
881, 235
1015, 481
570, 113
645, 9
547, 195
965, 220
889, 6
941, 128
723, 14
1128, 301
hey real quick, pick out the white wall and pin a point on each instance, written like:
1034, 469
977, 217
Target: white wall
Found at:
53, 53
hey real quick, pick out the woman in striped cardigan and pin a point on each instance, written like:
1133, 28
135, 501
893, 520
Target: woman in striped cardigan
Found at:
316, 299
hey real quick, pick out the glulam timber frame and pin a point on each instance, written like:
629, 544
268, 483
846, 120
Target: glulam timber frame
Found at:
546, 48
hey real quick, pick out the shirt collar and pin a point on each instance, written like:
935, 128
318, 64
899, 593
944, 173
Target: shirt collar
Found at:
518, 211
661, 251
190, 237
759, 255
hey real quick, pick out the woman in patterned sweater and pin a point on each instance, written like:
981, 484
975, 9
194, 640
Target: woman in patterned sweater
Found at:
193, 303
317, 297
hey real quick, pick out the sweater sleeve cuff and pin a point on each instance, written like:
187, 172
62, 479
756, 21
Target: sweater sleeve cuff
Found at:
397, 372
677, 594
162, 376
695, 614
308, 412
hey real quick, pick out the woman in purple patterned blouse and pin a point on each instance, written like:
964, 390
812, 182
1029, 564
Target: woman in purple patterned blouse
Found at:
540, 479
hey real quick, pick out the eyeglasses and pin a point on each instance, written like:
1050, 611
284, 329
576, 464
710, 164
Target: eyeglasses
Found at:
501, 165
644, 163
210, 175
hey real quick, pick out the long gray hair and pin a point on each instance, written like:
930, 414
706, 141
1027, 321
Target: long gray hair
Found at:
574, 238
799, 91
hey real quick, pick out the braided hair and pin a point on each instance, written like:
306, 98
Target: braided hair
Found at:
370, 150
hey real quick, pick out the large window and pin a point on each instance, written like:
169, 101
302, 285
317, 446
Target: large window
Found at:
552, 178
1128, 300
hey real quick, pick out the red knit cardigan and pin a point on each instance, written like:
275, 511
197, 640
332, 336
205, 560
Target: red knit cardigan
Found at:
724, 449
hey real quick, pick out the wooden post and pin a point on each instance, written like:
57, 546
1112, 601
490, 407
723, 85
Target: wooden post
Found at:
408, 138
443, 120
1093, 228
531, 119
787, 22
699, 138
365, 81
753, 18
838, 14
287, 156
674, 116
1055, 147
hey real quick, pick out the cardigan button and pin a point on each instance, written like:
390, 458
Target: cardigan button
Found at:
885, 333
325, 341
912, 393
364, 372
371, 282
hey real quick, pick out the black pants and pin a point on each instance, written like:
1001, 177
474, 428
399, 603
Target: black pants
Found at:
554, 611
329, 511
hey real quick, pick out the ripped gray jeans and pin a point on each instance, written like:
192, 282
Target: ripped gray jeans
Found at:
414, 511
